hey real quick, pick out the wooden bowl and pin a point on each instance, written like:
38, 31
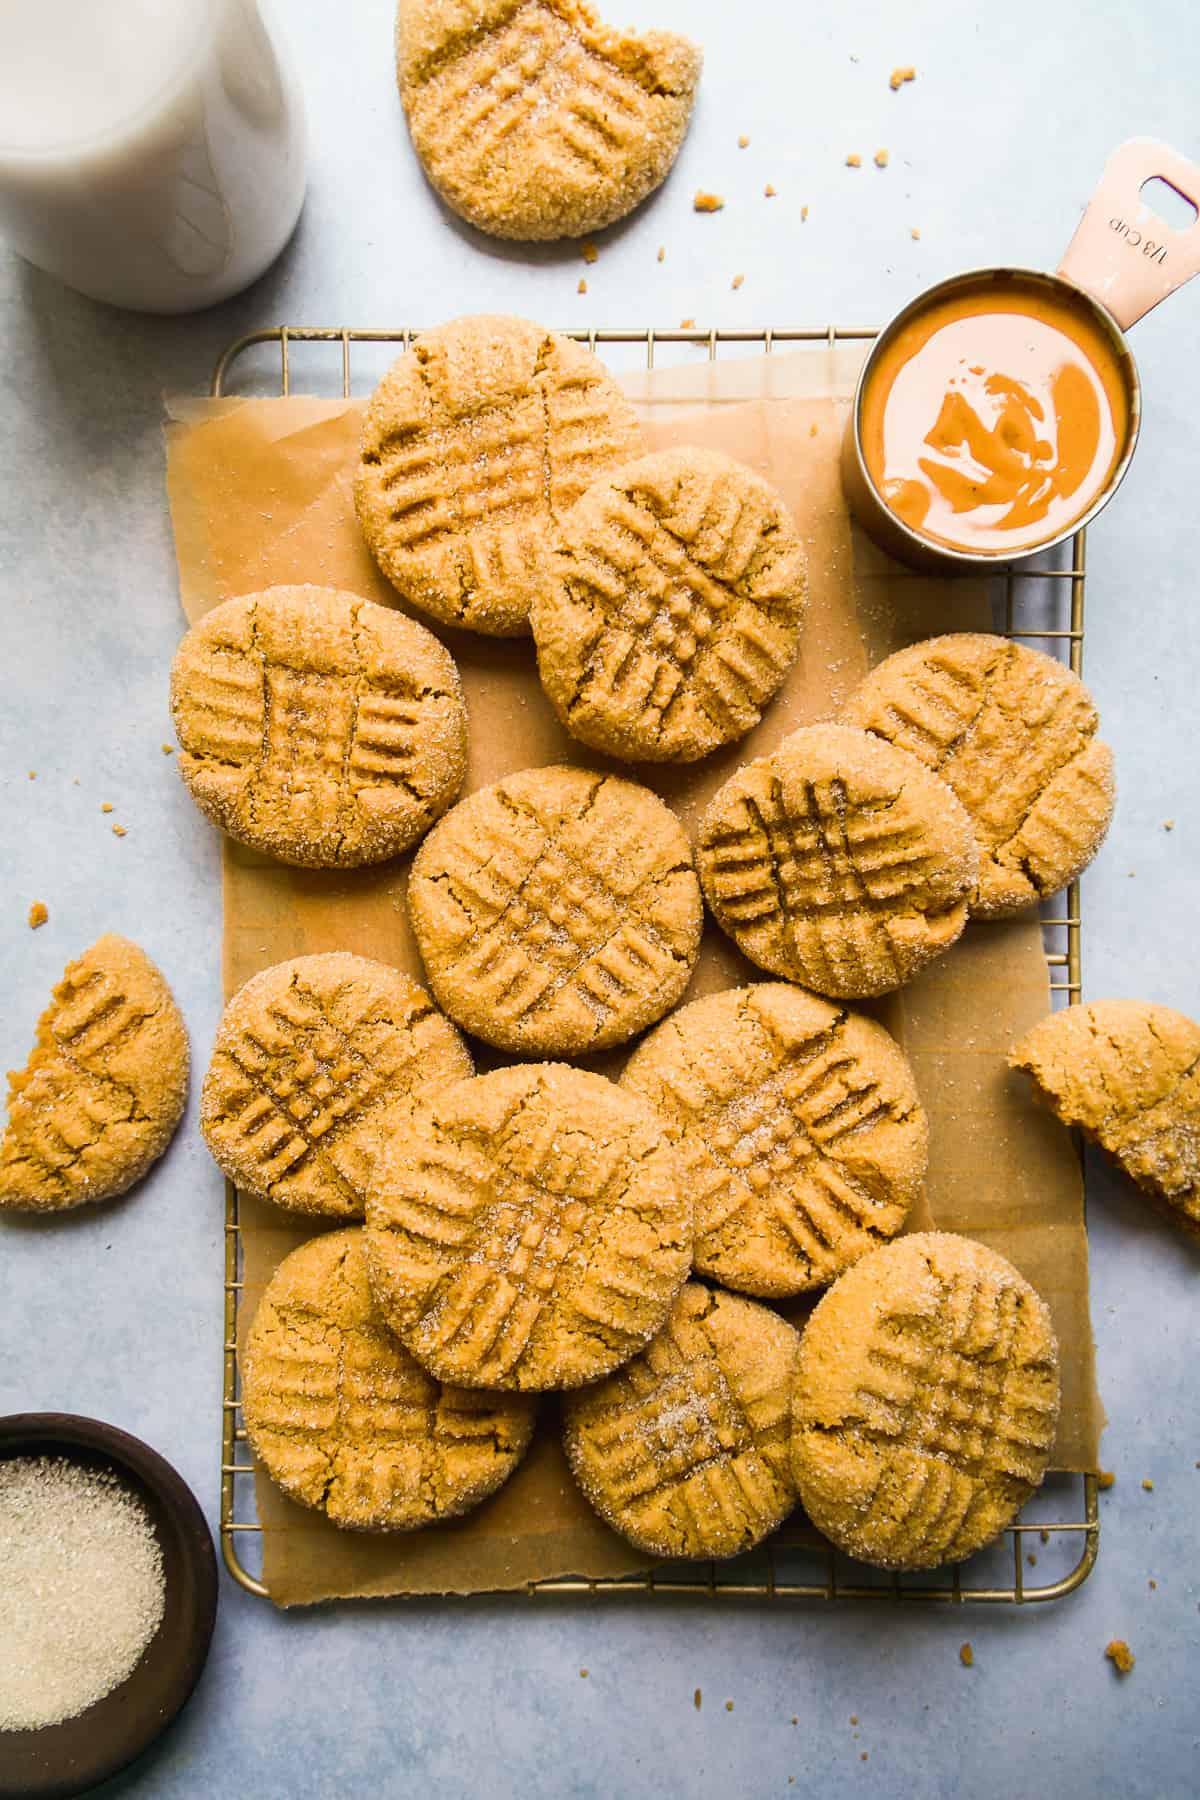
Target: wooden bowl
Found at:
58, 1760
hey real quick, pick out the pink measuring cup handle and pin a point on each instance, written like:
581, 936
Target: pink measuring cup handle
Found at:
1123, 253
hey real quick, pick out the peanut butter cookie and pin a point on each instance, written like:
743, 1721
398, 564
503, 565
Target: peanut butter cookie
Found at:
318, 727
534, 120
1013, 732
684, 1451
100, 1097
800, 1129
673, 606
528, 1228
474, 444
1128, 1074
345, 1421
926, 1402
558, 912
309, 1056
838, 861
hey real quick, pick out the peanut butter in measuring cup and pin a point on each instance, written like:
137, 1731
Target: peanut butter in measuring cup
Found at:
998, 412
994, 419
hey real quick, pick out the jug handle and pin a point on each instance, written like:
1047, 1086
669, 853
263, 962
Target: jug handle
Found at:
1123, 253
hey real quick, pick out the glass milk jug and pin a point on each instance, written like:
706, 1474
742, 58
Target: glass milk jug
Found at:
151, 151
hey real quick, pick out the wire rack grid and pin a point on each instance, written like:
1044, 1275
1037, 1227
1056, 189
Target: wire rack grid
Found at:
1044, 605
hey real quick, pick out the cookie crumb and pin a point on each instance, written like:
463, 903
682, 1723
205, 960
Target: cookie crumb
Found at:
769, 191
582, 288
1120, 1655
583, 1674
854, 160
881, 159
687, 324
1147, 1484
1045, 1536
118, 831
1168, 824
707, 202
662, 253
813, 430
966, 1656
1105, 1478
1031, 1559
803, 214
106, 806
863, 1756
737, 282
743, 141
1152, 1584
853, 1719
915, 234
589, 251
38, 914
795, 1720
698, 1699
898, 77
729, 1706
33, 774
168, 749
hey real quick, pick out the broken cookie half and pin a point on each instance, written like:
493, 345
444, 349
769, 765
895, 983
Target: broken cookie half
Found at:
100, 1097
1127, 1073
532, 119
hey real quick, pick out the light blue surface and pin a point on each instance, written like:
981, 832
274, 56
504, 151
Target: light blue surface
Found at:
116, 1312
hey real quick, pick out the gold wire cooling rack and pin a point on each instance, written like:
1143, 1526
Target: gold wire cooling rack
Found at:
1043, 605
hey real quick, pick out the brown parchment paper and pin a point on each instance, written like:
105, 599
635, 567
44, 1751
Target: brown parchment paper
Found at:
260, 492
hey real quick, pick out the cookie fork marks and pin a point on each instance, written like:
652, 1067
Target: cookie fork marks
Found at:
1128, 1074
800, 1129
1014, 733
474, 443
528, 1229
684, 1450
344, 1419
532, 119
674, 610
318, 727
309, 1056
104, 1087
926, 1402
838, 861
557, 912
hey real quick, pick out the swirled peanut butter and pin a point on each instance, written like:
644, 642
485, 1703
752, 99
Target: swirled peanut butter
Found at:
995, 417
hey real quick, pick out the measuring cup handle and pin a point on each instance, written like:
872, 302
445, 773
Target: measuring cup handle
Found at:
1123, 253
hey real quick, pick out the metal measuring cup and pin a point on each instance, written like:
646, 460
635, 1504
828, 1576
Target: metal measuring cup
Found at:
1122, 260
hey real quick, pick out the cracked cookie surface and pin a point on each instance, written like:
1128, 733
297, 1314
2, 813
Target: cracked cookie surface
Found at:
839, 862
926, 1402
534, 120
528, 1228
345, 1421
318, 727
803, 1141
557, 912
100, 1097
1127, 1073
309, 1057
474, 444
672, 608
1013, 732
685, 1449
